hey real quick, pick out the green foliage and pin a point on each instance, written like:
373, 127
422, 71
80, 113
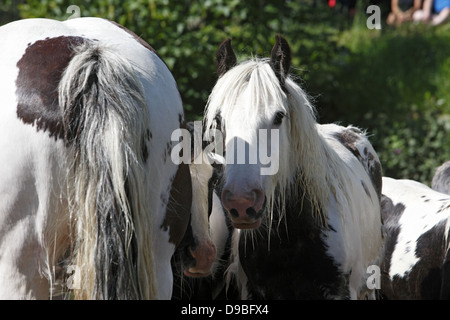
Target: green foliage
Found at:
413, 146
394, 82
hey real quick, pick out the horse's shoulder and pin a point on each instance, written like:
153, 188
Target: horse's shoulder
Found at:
356, 142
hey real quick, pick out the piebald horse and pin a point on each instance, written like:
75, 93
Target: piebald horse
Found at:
417, 259
310, 192
87, 186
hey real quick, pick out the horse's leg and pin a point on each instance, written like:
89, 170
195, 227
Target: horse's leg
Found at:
20, 246
20, 250
30, 228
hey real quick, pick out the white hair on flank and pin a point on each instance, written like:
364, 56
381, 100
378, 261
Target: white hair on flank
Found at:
307, 161
106, 120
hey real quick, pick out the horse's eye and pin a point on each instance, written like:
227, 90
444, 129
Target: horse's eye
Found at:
278, 118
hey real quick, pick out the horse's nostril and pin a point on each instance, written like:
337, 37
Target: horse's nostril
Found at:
234, 213
251, 212
245, 205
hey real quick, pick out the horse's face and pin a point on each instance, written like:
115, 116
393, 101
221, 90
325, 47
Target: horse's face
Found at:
252, 160
255, 126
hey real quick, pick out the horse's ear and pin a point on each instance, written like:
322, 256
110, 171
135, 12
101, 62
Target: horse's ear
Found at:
280, 58
226, 59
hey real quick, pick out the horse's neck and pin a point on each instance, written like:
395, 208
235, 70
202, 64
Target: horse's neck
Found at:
298, 212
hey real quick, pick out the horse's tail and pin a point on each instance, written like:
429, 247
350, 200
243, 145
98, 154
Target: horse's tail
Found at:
106, 127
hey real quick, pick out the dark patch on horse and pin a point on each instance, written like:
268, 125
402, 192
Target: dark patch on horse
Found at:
443, 207
179, 206
219, 125
366, 190
391, 215
191, 128
296, 266
348, 138
169, 151
40, 71
376, 174
431, 251
144, 150
146, 139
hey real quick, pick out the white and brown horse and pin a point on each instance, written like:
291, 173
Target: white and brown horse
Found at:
311, 191
86, 177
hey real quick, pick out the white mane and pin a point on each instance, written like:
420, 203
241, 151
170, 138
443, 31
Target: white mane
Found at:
307, 162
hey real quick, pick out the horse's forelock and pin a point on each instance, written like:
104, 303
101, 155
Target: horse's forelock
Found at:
253, 77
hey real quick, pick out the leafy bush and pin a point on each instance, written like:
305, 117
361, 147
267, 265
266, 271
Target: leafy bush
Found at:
412, 147
396, 83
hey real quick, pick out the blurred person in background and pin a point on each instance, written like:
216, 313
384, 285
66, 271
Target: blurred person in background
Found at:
434, 12
402, 11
